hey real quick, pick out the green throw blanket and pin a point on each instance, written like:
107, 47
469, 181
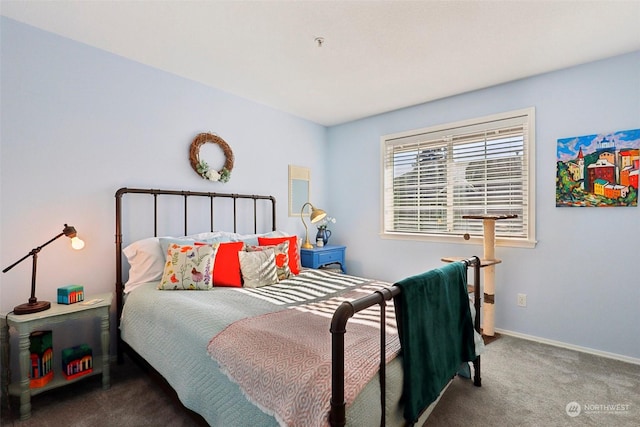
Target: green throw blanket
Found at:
436, 333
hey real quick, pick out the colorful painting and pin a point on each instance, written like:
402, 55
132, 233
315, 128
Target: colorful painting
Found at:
598, 170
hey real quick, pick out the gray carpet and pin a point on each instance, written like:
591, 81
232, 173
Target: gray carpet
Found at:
523, 384
530, 384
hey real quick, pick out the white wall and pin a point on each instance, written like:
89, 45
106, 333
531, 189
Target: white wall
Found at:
79, 123
581, 280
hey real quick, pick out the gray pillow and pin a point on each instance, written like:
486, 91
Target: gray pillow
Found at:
258, 268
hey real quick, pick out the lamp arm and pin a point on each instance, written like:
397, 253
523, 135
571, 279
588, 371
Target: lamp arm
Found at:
32, 253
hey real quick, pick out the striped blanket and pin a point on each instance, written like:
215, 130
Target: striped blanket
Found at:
286, 371
308, 286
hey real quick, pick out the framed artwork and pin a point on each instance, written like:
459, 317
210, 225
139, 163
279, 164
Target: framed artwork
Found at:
299, 189
598, 170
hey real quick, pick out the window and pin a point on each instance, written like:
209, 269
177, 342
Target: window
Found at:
434, 177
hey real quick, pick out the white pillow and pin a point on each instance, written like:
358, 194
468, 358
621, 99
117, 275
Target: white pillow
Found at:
227, 236
146, 262
218, 236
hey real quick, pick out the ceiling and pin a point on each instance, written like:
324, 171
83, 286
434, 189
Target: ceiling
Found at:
377, 56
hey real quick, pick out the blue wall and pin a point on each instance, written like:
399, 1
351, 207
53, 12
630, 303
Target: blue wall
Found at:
581, 280
125, 124
78, 123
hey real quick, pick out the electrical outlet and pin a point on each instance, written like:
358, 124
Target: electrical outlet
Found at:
522, 300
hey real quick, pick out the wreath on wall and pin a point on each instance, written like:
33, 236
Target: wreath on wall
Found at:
202, 167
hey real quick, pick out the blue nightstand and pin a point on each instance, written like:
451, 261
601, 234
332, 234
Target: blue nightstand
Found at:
317, 257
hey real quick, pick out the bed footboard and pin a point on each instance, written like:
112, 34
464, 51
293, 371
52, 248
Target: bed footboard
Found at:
337, 414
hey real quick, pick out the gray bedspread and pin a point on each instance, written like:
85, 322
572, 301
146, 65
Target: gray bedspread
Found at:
171, 330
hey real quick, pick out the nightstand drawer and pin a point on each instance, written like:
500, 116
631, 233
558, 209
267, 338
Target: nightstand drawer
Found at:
330, 257
317, 257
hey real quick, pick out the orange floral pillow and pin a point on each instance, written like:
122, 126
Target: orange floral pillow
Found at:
281, 255
294, 252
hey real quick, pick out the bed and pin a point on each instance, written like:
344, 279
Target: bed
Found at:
314, 348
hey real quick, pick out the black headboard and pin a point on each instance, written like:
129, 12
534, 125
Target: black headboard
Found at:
173, 196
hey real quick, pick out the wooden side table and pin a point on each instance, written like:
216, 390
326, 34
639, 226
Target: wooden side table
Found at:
318, 257
27, 323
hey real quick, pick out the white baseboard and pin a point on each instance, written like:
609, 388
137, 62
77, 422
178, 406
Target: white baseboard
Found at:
561, 344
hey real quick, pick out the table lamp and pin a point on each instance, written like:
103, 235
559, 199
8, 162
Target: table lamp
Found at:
34, 306
316, 215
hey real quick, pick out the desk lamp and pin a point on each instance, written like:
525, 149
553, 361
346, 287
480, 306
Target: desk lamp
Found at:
34, 306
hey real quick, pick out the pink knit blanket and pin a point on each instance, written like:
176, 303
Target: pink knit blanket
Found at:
282, 360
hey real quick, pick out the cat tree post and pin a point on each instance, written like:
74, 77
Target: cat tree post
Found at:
490, 261
489, 247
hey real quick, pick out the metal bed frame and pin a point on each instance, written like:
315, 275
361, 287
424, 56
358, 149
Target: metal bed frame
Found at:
185, 195
337, 414
346, 310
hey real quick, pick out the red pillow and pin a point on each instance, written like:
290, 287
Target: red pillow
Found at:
294, 255
226, 267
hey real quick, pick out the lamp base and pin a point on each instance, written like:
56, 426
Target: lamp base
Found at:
32, 307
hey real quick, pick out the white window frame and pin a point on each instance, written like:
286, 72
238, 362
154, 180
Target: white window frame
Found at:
471, 227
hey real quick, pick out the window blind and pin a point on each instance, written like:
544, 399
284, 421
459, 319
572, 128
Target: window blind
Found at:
434, 177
